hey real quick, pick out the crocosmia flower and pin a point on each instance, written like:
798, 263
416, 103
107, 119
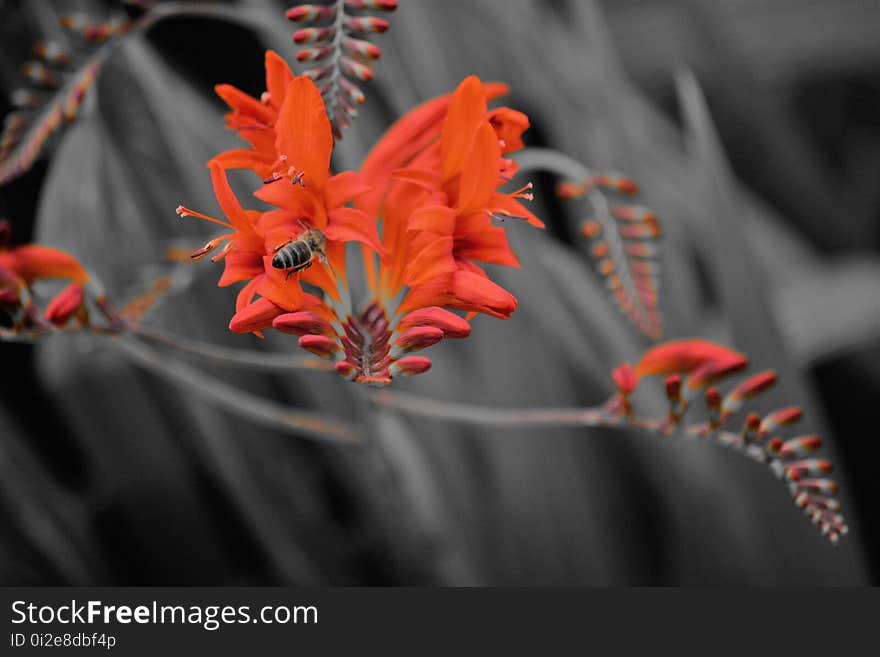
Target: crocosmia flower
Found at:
21, 267
431, 184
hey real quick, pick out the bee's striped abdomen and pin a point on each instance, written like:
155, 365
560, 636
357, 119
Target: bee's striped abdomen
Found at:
294, 255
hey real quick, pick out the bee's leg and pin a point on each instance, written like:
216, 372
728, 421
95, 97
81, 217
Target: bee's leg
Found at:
305, 265
322, 256
281, 246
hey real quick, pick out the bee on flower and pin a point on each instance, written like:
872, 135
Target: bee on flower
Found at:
431, 183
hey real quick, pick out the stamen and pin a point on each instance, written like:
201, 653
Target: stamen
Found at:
521, 193
186, 212
225, 250
502, 215
210, 246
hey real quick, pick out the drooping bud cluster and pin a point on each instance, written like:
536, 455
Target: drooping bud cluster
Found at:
56, 82
337, 45
20, 268
623, 243
691, 367
367, 348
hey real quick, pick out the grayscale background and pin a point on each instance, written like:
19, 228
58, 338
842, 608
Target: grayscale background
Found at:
111, 475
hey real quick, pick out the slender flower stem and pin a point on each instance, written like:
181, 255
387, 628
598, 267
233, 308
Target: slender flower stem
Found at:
262, 411
242, 358
499, 417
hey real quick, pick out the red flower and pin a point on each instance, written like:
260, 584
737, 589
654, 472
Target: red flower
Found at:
705, 361
433, 183
254, 120
438, 210
22, 266
308, 200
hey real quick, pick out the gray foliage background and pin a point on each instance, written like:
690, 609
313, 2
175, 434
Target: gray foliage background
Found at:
117, 476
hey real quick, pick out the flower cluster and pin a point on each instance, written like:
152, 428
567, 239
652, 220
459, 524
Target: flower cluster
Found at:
20, 268
693, 368
424, 209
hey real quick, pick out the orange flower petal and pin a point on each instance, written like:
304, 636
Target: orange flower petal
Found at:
480, 171
240, 102
303, 323
278, 78
350, 224
489, 246
227, 200
278, 288
451, 324
240, 266
255, 316
244, 158
467, 112
509, 125
439, 219
345, 187
33, 262
434, 260
303, 132
685, 356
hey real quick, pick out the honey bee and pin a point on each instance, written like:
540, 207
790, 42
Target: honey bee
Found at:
298, 253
